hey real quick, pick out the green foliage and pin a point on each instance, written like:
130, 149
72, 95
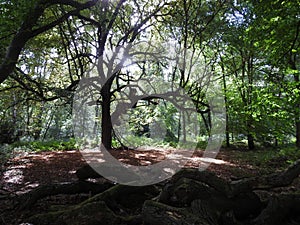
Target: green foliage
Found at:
147, 142
52, 145
202, 142
6, 152
254, 44
292, 153
162, 114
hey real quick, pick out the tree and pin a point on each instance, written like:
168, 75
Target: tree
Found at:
194, 26
33, 64
119, 29
32, 25
278, 32
254, 57
113, 25
239, 58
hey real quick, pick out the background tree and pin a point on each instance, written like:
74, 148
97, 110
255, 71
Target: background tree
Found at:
278, 32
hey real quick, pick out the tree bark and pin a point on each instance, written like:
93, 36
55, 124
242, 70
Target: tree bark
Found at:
297, 110
116, 205
297, 113
298, 134
251, 144
226, 105
106, 123
281, 209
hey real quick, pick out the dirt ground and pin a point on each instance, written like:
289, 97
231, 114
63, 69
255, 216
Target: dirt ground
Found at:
29, 170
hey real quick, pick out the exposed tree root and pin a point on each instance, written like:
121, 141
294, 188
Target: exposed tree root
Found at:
189, 197
27, 200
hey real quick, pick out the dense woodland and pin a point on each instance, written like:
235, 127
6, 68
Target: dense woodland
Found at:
247, 50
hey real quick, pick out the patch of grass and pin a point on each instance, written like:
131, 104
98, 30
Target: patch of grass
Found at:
258, 157
270, 159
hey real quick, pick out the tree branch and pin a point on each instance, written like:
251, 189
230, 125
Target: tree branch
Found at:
26, 32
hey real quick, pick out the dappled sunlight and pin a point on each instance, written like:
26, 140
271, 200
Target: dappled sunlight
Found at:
29, 186
169, 170
28, 171
149, 156
13, 176
211, 160
31, 170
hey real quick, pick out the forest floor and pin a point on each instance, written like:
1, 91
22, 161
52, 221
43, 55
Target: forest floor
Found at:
27, 171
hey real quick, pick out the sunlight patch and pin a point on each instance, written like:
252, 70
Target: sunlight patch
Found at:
211, 160
14, 176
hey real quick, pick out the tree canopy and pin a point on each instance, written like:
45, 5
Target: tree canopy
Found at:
249, 48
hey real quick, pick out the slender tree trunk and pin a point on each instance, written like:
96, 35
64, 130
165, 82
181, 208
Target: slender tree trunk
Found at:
297, 116
39, 121
206, 123
276, 142
106, 124
250, 137
251, 144
297, 107
28, 117
227, 130
96, 124
298, 134
184, 128
47, 126
226, 108
14, 127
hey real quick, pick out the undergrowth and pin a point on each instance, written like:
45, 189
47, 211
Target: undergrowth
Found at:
51, 145
269, 158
